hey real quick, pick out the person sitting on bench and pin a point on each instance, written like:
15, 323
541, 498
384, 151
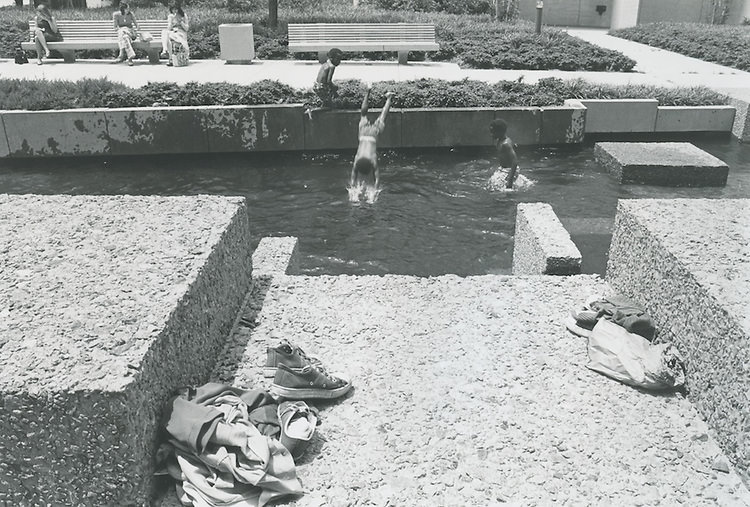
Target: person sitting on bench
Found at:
177, 29
46, 31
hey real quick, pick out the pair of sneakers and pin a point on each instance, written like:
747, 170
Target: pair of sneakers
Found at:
297, 376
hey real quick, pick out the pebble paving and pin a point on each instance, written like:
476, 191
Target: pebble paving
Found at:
469, 391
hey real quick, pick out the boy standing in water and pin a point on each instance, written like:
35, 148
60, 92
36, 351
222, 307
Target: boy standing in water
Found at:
365, 175
506, 152
324, 87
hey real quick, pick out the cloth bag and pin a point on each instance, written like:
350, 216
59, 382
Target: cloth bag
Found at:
179, 55
145, 36
632, 359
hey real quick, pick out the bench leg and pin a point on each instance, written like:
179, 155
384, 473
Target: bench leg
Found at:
322, 56
402, 57
68, 56
153, 56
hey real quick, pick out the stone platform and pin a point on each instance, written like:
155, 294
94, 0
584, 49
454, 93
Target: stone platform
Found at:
469, 391
667, 164
541, 244
688, 262
107, 304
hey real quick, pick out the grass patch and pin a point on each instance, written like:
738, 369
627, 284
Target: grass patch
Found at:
423, 93
471, 40
722, 44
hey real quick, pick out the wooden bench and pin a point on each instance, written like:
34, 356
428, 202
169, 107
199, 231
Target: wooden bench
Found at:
99, 34
401, 37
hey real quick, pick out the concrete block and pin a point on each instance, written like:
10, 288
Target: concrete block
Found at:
621, 115
666, 164
563, 124
253, 128
276, 256
741, 126
541, 245
56, 133
4, 150
110, 303
524, 124
686, 262
447, 127
339, 130
152, 130
695, 118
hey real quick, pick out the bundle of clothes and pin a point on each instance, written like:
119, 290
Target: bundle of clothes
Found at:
230, 446
622, 344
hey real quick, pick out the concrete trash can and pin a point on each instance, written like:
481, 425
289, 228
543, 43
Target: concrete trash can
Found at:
236, 42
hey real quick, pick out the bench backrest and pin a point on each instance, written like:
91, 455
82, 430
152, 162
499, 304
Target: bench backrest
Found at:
99, 29
360, 32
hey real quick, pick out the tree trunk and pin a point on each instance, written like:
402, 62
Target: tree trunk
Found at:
273, 13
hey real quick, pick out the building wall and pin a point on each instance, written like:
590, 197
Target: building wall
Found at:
624, 13
569, 12
688, 11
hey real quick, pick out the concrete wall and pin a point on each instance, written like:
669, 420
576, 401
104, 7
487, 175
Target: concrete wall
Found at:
689, 11
110, 303
276, 256
694, 281
541, 245
220, 129
569, 12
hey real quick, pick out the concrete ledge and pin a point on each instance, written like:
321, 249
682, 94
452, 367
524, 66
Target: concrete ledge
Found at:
695, 280
541, 245
447, 127
151, 130
623, 115
741, 126
253, 128
4, 150
564, 124
694, 119
667, 164
56, 133
110, 303
276, 256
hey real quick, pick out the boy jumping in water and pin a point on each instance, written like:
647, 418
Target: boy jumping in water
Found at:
365, 175
506, 152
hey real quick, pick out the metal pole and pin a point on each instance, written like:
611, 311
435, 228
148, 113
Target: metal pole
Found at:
539, 8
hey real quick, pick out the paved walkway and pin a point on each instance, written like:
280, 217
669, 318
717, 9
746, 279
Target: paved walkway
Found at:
655, 66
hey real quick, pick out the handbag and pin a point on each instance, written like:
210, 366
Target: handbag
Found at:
21, 56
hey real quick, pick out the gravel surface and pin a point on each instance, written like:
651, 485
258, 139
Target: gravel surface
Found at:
469, 391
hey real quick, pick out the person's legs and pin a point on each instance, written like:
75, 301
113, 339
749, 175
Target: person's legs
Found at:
42, 50
125, 43
165, 43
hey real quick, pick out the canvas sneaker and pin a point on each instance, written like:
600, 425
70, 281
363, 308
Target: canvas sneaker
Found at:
298, 422
307, 382
290, 355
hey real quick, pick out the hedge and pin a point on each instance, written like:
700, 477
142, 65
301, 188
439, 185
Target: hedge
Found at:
475, 41
423, 93
722, 44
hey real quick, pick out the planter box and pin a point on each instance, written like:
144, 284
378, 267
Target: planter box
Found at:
153, 130
563, 124
524, 124
236, 42
447, 127
695, 118
253, 128
4, 150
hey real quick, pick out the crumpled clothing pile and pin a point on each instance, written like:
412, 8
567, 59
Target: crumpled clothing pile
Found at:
620, 336
257, 472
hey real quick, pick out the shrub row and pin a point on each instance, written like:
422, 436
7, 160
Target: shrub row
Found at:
475, 41
423, 93
722, 44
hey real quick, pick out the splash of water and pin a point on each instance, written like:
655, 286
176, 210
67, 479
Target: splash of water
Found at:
497, 182
361, 191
